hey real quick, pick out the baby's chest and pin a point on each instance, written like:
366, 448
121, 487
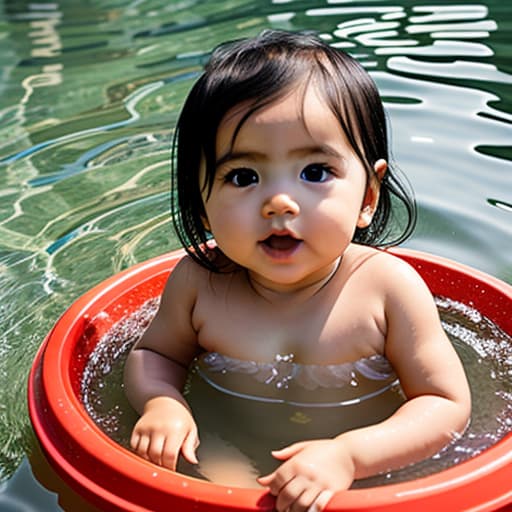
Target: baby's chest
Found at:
313, 335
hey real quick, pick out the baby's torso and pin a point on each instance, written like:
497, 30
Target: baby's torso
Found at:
343, 322
297, 368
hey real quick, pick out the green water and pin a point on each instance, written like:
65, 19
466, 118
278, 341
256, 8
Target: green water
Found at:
89, 95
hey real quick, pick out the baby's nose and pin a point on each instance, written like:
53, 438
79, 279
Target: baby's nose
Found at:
280, 204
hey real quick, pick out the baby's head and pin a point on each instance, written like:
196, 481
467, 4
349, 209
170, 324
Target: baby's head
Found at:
253, 73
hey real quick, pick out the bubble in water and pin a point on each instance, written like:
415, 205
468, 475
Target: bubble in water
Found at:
101, 386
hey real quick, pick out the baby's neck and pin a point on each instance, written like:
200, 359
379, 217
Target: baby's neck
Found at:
276, 292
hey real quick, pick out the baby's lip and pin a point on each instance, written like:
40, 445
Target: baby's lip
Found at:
280, 233
281, 240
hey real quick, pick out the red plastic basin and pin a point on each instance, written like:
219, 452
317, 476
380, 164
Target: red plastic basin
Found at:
114, 479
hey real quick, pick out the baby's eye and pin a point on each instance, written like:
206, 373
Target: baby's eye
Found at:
316, 173
241, 177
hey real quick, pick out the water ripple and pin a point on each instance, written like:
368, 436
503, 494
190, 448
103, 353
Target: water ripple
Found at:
79, 165
96, 200
92, 225
130, 104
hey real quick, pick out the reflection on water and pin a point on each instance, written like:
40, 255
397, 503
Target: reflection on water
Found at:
89, 95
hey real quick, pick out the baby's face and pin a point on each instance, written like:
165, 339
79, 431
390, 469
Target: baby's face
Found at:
288, 193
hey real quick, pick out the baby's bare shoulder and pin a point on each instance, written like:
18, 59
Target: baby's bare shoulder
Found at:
193, 281
188, 271
381, 263
387, 274
397, 273
184, 283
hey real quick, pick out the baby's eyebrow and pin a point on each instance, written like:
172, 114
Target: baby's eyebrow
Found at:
317, 149
240, 155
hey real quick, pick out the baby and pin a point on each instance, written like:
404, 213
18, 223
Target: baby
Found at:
284, 195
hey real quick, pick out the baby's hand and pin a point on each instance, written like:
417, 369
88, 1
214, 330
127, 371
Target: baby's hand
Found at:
312, 472
165, 428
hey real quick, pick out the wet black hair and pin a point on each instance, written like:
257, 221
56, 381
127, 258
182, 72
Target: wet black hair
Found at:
256, 72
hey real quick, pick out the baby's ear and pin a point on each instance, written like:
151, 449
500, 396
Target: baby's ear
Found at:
371, 198
380, 168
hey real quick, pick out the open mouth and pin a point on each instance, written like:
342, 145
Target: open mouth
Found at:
280, 245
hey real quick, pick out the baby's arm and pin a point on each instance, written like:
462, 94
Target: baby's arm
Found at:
155, 372
436, 410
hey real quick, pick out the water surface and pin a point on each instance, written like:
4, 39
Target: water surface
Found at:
89, 95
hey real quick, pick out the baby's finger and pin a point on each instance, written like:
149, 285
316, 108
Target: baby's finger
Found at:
265, 480
306, 500
142, 446
321, 501
155, 449
134, 440
170, 454
290, 494
189, 447
276, 481
289, 451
